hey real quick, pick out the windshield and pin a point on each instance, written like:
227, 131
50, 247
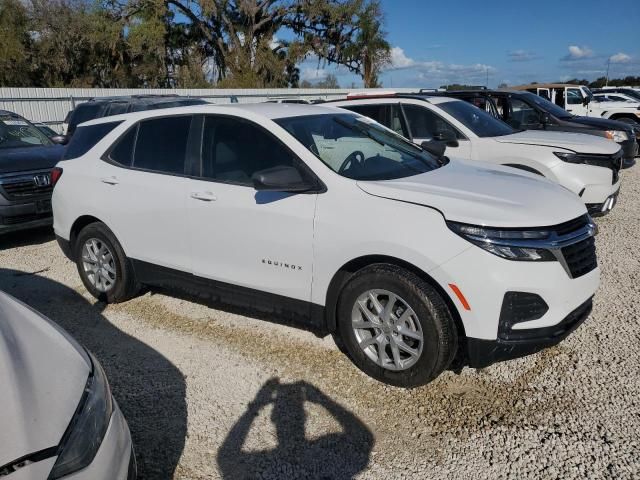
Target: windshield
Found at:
546, 105
359, 148
476, 120
16, 132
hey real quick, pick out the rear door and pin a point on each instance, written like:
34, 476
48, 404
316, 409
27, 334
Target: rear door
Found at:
143, 186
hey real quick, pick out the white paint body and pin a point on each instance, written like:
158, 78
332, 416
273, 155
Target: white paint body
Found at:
43, 376
530, 148
227, 238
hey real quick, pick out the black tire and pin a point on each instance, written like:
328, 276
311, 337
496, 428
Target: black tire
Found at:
630, 121
438, 328
125, 285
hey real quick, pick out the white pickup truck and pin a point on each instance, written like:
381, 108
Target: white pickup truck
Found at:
578, 100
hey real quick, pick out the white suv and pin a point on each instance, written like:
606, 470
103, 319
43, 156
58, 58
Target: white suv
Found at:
328, 220
585, 164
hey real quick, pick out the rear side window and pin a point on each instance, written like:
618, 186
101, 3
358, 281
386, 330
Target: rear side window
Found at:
376, 112
161, 144
86, 137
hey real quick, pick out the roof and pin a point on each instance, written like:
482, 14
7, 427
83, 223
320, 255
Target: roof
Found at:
267, 110
544, 85
7, 113
427, 97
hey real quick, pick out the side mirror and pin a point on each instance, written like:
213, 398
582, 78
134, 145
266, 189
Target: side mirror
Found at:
545, 119
281, 179
435, 147
586, 101
448, 137
60, 139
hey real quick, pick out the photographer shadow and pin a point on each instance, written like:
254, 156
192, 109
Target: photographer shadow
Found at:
149, 388
339, 455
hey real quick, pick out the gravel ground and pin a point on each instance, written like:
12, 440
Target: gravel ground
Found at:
212, 394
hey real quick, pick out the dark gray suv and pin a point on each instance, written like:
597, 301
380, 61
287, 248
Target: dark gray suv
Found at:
26, 158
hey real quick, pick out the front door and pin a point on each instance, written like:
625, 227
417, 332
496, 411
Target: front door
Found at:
255, 239
575, 102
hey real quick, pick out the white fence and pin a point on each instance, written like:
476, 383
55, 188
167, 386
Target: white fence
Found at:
51, 105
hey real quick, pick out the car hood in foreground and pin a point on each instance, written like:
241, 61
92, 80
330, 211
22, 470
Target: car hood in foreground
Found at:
577, 142
492, 196
42, 377
15, 160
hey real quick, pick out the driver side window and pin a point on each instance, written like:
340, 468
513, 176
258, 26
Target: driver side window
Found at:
574, 97
522, 114
233, 150
424, 124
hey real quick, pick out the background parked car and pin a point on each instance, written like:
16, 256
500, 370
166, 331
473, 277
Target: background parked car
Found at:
615, 97
108, 106
577, 99
628, 91
59, 419
586, 165
26, 158
528, 111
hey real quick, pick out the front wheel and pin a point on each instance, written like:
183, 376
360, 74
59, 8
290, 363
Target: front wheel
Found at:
103, 267
395, 327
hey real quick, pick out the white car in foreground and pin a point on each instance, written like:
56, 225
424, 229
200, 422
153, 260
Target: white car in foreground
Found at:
328, 220
585, 164
58, 420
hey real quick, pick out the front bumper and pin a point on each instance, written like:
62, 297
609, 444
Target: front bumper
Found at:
600, 209
484, 279
482, 353
25, 214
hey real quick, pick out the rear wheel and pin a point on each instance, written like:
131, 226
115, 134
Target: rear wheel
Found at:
395, 327
103, 267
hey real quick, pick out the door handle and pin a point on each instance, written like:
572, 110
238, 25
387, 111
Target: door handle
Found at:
204, 196
110, 180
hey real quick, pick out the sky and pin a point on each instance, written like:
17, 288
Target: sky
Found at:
440, 42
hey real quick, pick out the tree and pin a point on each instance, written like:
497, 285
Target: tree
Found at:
14, 44
370, 45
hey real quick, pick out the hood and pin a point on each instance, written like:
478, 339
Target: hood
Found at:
602, 123
490, 196
43, 374
577, 142
15, 160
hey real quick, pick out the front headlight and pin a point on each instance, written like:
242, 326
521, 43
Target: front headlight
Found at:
87, 429
512, 244
617, 135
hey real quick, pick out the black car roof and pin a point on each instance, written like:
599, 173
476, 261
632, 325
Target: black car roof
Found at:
146, 99
7, 113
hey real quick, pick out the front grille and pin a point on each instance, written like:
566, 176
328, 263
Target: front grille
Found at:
580, 257
24, 185
572, 225
16, 219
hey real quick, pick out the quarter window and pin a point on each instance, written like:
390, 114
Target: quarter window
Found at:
123, 151
161, 144
233, 150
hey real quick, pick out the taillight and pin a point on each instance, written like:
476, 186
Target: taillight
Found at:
56, 173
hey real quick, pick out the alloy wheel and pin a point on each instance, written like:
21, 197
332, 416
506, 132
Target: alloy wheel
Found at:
387, 329
99, 265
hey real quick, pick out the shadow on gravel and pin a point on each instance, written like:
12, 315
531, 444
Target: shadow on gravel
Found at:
35, 236
150, 390
332, 456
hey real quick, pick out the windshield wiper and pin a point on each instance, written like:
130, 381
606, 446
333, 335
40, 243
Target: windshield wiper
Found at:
360, 129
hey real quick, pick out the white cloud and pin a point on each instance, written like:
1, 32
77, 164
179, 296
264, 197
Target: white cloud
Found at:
436, 71
620, 58
521, 56
578, 53
399, 60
